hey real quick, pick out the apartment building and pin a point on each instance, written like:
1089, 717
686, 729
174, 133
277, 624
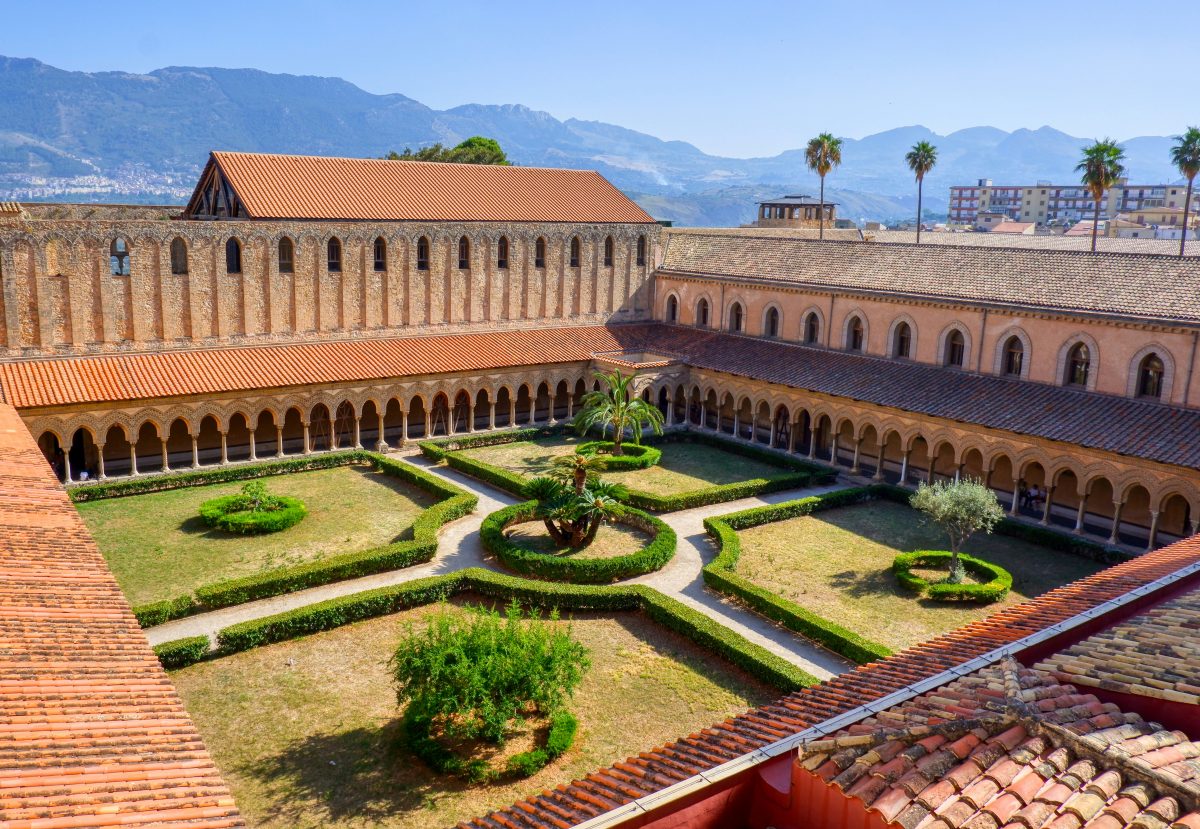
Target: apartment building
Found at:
1044, 203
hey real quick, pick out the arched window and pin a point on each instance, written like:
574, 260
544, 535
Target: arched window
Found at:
1014, 356
334, 257
672, 309
956, 349
1150, 376
464, 253
641, 250
902, 341
1079, 364
118, 257
702, 312
179, 258
608, 251
735, 317
380, 254
855, 334
771, 324
502, 253
574, 251
539, 253
812, 328
233, 256
422, 254
287, 256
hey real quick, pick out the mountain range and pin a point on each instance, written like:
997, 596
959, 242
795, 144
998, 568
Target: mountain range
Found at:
118, 136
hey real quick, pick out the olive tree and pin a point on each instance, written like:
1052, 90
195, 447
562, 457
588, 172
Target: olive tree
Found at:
961, 508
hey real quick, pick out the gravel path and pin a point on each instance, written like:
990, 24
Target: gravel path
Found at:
459, 546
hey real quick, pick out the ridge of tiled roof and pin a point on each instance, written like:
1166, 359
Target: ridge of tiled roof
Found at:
658, 768
371, 189
92, 733
1156, 654
1125, 284
1011, 746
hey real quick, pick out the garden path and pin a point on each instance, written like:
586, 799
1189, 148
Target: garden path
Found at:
459, 546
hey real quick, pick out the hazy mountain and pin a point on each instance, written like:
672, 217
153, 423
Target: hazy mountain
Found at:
121, 136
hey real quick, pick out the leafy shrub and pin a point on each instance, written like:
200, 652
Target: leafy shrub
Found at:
156, 613
179, 653
559, 738
652, 557
236, 514
636, 456
998, 583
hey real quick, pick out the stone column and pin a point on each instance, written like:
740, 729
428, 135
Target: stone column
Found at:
958, 473
1115, 536
532, 409
550, 418
670, 410
904, 467
570, 405
279, 441
1152, 541
195, 452
1046, 509
1080, 513
224, 449
358, 432
792, 429
404, 427
253, 448
470, 417
381, 444
812, 443
333, 437
66, 467
512, 412
854, 468
307, 445
833, 452
737, 424
100, 461
1016, 501
491, 414
166, 466
133, 470
878, 476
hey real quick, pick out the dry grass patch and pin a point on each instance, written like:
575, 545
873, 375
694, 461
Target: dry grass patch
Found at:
158, 546
305, 731
611, 541
838, 564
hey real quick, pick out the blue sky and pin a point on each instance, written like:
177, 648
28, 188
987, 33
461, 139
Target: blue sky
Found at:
733, 78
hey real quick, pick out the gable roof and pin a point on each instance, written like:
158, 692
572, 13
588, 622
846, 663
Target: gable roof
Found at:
370, 189
1128, 285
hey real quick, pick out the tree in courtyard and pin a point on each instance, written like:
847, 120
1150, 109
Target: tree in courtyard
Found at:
257, 499
1185, 155
576, 467
822, 154
962, 508
573, 516
476, 673
1101, 167
920, 160
475, 150
615, 407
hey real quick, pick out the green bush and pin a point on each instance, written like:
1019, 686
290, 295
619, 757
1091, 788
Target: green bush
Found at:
156, 613
559, 738
637, 456
179, 653
665, 611
996, 587
653, 556
232, 514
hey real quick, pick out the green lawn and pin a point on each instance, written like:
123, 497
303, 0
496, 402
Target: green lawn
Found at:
684, 467
838, 564
305, 731
159, 548
612, 540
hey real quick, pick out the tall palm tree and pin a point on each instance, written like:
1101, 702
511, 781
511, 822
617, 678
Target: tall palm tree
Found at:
920, 160
1186, 156
618, 409
1101, 167
823, 154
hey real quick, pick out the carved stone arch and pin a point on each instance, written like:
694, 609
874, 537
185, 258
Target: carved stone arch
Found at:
803, 319
994, 450
674, 294
864, 422
1064, 352
54, 427
1002, 343
156, 419
1092, 472
735, 299
1022, 460
1057, 467
107, 420
891, 336
762, 319
216, 411
968, 346
1134, 478
855, 313
841, 419
1172, 488
1135, 364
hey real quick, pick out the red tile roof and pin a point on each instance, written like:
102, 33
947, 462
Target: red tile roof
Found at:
92, 733
658, 768
319, 187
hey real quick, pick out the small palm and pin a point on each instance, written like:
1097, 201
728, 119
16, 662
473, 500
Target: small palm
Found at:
616, 408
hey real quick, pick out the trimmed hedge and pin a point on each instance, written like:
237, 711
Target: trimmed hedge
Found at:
996, 587
637, 456
438, 448
421, 547
228, 513
663, 610
720, 574
567, 568
179, 653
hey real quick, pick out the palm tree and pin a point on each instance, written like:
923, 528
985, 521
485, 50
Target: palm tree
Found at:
1101, 167
576, 467
1186, 156
921, 159
616, 408
573, 518
823, 154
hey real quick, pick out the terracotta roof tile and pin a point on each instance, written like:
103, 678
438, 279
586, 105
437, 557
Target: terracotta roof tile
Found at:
92, 733
320, 187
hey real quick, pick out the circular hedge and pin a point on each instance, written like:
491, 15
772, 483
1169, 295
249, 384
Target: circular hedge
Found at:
995, 584
230, 513
419, 738
577, 570
636, 456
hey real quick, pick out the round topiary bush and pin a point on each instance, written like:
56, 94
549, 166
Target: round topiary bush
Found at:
636, 456
252, 511
995, 581
653, 556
